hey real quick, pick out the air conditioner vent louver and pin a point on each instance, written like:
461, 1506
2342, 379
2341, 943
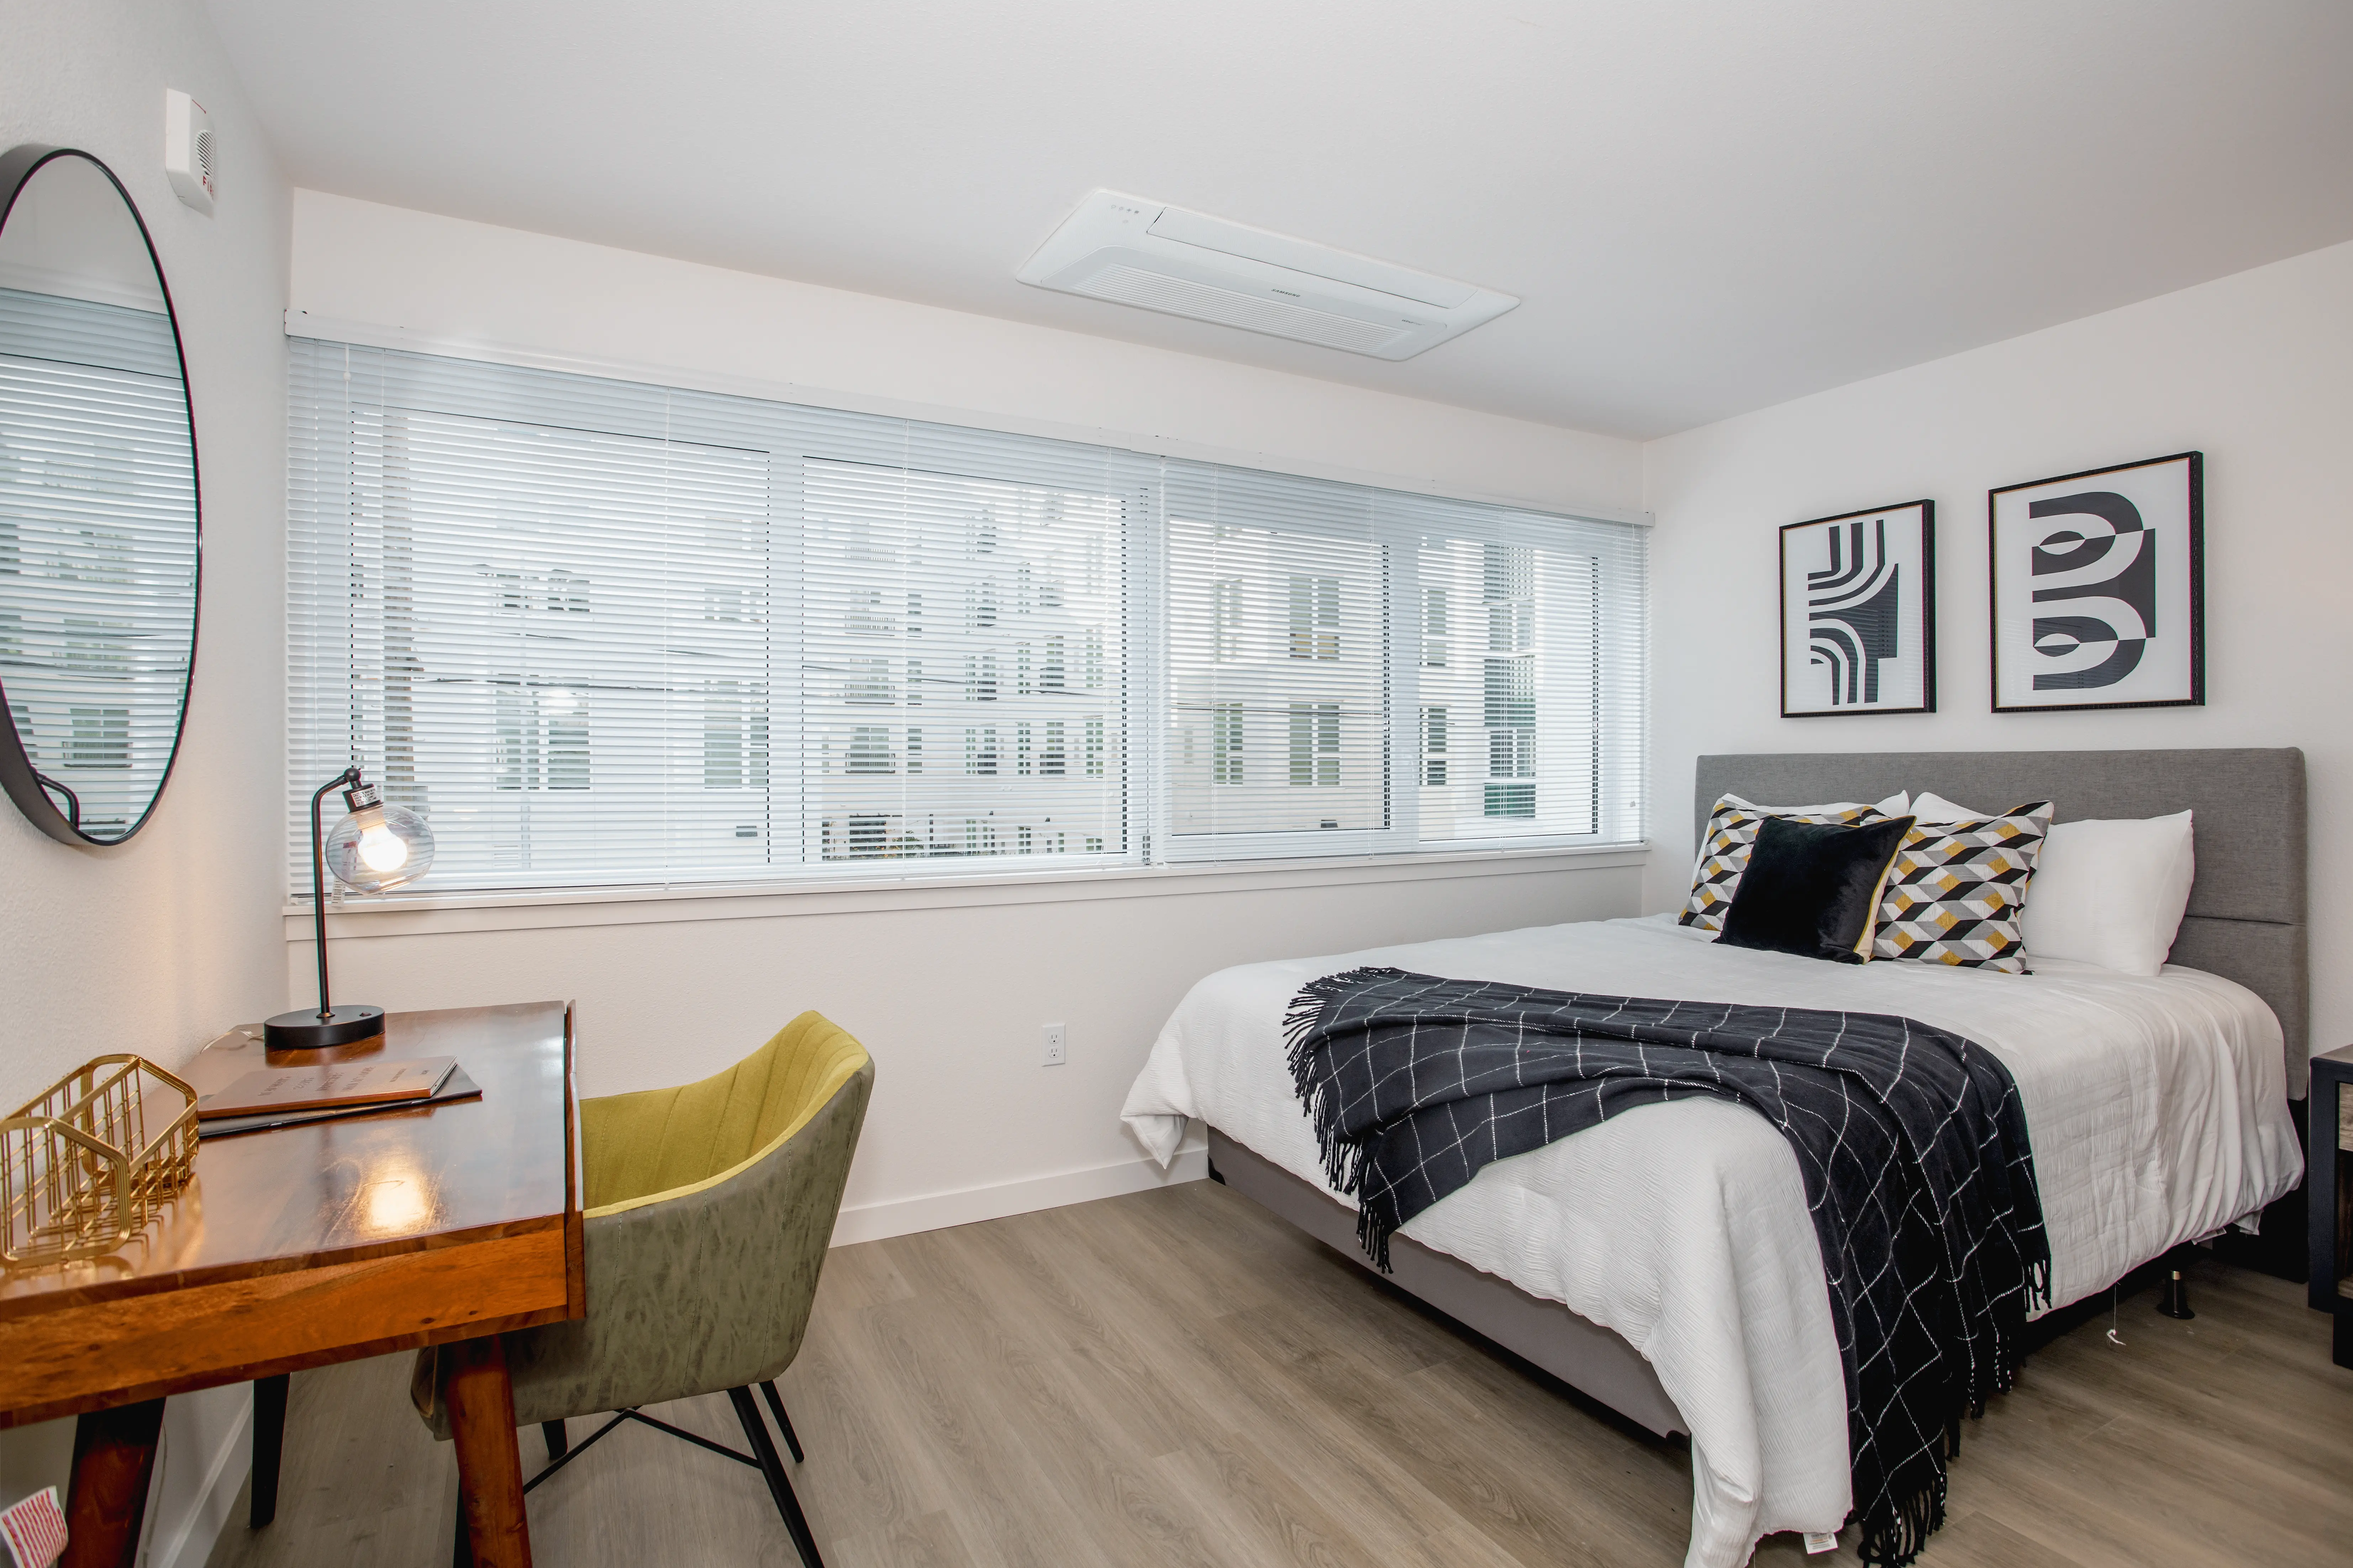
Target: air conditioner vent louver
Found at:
1175, 296
1158, 257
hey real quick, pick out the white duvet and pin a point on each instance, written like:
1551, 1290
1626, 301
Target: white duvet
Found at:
2156, 1108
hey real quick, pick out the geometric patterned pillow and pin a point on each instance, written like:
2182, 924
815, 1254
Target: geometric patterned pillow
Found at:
1955, 890
1731, 834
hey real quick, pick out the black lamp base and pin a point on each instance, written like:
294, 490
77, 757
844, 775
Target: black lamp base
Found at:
305, 1030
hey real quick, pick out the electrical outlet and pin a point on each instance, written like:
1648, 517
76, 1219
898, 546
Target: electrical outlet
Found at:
1058, 1045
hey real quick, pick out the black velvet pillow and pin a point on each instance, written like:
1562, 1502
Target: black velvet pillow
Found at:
1812, 887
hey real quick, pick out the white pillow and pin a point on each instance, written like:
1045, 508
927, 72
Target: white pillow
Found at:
1934, 810
2110, 892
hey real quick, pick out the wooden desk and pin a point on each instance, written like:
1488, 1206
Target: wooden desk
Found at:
293, 1248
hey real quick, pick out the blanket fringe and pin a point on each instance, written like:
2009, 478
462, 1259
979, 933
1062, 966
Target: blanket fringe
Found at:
2009, 1328
1344, 1158
1900, 1538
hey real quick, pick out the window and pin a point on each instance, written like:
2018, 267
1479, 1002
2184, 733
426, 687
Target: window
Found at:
1315, 743
542, 741
1226, 743
1225, 615
869, 751
1315, 618
1306, 686
101, 738
607, 634
735, 737
1533, 639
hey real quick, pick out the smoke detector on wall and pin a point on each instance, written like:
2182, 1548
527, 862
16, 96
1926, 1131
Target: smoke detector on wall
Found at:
1149, 254
188, 150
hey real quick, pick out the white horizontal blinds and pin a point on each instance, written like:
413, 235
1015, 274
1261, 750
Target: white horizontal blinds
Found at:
537, 615
965, 669
603, 633
1278, 726
97, 527
1527, 679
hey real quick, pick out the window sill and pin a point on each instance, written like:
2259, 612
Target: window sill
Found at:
459, 912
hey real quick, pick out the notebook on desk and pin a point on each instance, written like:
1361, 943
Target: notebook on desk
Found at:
287, 1097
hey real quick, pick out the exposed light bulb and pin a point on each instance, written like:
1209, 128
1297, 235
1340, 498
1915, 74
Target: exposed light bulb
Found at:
379, 846
382, 849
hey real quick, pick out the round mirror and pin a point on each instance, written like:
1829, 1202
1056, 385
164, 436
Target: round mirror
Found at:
99, 537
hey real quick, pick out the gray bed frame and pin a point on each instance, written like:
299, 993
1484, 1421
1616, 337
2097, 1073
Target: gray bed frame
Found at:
2245, 922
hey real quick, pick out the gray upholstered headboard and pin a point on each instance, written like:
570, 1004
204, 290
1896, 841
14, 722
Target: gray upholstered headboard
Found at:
2246, 918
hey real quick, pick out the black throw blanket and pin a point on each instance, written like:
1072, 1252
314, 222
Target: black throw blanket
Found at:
1911, 1139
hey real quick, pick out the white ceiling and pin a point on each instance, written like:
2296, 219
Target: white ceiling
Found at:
1705, 207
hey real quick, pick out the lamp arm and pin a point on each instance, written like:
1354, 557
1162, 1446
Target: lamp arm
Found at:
350, 775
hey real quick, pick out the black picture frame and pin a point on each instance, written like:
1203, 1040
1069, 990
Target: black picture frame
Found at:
1858, 695
2167, 574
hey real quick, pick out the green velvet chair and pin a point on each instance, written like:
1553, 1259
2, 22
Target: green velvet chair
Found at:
708, 1211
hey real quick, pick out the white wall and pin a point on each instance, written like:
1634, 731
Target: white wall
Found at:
2254, 370
157, 945
948, 989
448, 279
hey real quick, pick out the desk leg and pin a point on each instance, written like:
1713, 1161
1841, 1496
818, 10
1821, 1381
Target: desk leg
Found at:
489, 1470
268, 1450
114, 1459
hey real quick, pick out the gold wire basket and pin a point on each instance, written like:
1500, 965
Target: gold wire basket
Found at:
79, 1174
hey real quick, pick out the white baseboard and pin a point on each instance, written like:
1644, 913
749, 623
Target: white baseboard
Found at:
968, 1206
190, 1540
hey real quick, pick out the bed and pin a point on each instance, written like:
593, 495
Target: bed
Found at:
1663, 1261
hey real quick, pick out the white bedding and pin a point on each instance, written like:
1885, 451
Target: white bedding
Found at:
2156, 1108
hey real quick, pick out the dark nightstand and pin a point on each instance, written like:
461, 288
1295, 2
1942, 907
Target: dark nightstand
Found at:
2328, 1183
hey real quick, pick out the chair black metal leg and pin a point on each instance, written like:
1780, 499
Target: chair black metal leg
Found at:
556, 1441
269, 1449
780, 1486
784, 1422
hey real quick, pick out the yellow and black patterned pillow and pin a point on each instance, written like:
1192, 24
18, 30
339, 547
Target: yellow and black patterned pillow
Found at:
1956, 889
1732, 834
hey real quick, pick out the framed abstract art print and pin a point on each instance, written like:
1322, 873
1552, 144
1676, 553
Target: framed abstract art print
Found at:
2098, 588
1859, 613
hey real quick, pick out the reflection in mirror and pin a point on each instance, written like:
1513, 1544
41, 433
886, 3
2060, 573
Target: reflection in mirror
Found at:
98, 504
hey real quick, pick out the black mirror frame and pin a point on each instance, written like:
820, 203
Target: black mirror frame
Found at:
17, 774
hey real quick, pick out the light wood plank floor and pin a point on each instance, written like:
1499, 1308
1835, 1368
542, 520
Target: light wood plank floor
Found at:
1176, 1378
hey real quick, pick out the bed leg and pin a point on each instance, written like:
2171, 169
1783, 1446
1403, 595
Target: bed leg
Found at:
2173, 1300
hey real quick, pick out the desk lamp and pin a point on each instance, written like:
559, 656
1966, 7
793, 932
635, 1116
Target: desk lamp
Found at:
374, 849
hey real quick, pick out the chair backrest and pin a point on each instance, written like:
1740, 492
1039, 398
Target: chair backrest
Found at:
645, 1147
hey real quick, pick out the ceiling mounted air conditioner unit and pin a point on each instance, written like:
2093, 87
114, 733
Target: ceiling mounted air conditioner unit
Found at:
1164, 258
